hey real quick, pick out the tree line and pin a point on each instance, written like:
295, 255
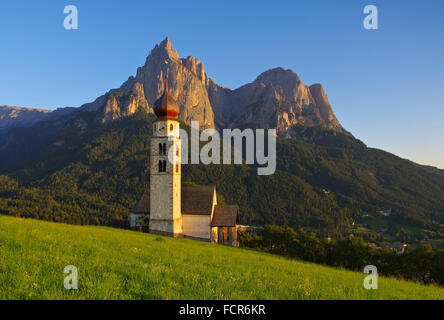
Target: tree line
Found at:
421, 264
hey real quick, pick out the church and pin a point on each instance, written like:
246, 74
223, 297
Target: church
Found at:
170, 208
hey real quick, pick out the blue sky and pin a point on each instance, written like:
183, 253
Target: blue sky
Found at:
386, 86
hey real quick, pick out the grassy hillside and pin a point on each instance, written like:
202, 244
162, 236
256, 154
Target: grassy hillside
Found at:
119, 264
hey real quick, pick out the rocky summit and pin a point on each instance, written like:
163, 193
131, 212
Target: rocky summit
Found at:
186, 82
276, 99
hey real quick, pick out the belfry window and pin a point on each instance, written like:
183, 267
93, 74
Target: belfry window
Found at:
162, 165
162, 148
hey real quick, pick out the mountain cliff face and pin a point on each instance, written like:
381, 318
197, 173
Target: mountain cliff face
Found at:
276, 99
186, 83
122, 104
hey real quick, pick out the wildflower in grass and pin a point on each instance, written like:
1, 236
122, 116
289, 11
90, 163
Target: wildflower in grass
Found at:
27, 276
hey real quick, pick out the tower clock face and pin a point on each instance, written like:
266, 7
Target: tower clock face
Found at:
161, 129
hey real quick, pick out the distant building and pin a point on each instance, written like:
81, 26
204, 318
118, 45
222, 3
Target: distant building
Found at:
399, 247
403, 248
385, 213
170, 208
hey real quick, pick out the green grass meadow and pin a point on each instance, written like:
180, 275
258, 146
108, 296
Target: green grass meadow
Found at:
120, 264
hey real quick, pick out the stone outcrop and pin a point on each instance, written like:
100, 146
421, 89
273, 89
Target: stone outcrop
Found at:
122, 104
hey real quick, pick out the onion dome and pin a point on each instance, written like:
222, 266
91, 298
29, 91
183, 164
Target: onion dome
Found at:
166, 107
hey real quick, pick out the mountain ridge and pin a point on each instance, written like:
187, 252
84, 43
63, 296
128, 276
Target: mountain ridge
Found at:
96, 173
66, 167
16, 117
276, 99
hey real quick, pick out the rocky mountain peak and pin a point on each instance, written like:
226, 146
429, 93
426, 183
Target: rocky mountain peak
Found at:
166, 44
286, 83
276, 99
164, 50
279, 76
186, 83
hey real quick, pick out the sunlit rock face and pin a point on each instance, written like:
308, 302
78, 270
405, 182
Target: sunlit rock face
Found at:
276, 99
122, 104
186, 83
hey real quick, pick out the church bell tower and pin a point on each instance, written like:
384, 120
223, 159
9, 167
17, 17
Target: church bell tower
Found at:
165, 168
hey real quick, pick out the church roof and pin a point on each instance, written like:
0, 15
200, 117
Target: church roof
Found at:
194, 200
166, 107
198, 200
225, 216
143, 205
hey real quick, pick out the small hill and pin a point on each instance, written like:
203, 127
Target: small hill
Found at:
119, 264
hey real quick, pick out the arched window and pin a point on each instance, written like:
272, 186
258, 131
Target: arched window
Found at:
177, 168
171, 127
162, 165
162, 148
